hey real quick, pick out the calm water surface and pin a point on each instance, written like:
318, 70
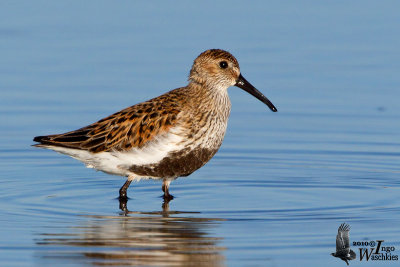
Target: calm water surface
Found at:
281, 184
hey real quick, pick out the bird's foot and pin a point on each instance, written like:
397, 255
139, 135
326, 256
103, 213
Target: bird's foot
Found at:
123, 203
167, 197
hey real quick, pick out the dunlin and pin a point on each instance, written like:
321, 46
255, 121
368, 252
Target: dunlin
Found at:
166, 137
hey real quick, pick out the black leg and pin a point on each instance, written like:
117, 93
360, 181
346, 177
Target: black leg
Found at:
122, 191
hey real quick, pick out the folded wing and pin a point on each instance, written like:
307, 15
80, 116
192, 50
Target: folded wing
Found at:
128, 128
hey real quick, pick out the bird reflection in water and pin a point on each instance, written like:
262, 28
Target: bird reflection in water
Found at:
159, 238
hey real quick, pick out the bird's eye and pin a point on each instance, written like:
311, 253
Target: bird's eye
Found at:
223, 64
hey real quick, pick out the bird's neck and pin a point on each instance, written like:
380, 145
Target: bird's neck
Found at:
210, 98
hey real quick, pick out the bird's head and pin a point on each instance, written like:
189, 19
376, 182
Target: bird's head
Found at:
218, 69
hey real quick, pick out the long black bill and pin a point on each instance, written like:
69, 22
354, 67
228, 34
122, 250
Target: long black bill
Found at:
245, 85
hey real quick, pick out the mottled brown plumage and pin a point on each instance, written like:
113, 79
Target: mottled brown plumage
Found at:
121, 131
166, 137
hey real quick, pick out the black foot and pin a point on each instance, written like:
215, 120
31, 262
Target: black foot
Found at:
168, 197
123, 198
122, 194
123, 203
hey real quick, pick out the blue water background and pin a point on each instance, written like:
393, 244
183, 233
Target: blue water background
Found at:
281, 184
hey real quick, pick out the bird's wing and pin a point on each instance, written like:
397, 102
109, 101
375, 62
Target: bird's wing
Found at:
344, 229
128, 128
339, 242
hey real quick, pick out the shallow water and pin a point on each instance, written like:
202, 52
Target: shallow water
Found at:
281, 184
